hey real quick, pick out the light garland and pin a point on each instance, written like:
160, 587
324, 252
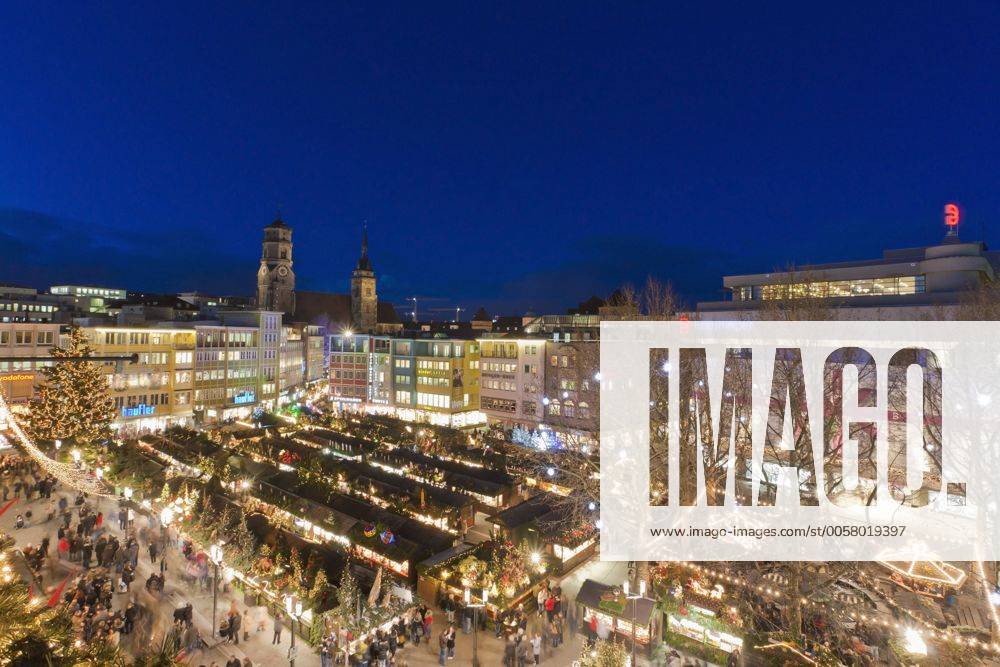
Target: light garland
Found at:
932, 631
947, 574
65, 473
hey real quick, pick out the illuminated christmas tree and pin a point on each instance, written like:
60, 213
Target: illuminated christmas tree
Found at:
604, 654
74, 403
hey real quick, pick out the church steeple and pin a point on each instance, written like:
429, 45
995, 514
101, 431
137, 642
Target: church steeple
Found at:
275, 277
364, 264
364, 299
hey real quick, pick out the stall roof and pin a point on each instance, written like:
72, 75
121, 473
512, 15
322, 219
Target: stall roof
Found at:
590, 596
530, 510
484, 474
448, 555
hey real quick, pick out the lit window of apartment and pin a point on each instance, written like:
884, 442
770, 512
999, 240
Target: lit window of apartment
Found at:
403, 397
433, 400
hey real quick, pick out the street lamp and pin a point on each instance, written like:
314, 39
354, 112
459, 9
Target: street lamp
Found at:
215, 554
76, 457
294, 609
634, 599
475, 606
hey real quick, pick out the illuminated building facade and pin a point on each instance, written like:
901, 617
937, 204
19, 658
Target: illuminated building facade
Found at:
237, 364
155, 392
291, 362
432, 380
512, 384
314, 349
909, 283
19, 378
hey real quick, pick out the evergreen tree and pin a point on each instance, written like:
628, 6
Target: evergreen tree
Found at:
74, 402
604, 653
263, 564
244, 545
297, 571
318, 591
313, 566
348, 596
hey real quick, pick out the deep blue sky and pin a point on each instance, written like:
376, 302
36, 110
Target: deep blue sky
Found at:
512, 157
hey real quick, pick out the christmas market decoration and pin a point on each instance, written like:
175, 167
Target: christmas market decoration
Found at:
604, 653
927, 576
74, 402
72, 475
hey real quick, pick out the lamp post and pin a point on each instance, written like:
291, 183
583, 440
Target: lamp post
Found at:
215, 554
475, 606
634, 599
294, 609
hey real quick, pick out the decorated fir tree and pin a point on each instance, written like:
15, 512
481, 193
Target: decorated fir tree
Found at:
348, 600
318, 591
263, 564
242, 545
313, 566
74, 402
604, 653
297, 571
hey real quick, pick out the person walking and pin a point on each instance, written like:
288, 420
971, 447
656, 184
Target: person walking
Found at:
278, 620
442, 647
450, 637
522, 653
235, 621
536, 647
88, 549
152, 552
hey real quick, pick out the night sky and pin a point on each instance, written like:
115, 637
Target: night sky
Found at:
513, 158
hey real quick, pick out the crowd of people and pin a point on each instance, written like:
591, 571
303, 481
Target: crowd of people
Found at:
91, 601
384, 647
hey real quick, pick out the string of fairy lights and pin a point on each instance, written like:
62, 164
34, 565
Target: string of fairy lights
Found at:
932, 632
70, 475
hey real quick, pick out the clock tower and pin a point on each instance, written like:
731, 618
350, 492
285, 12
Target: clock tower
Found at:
275, 278
364, 300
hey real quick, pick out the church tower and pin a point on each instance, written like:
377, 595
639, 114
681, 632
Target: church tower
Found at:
364, 300
275, 278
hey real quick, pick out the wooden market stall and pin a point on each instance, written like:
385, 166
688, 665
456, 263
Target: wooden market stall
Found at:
612, 614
